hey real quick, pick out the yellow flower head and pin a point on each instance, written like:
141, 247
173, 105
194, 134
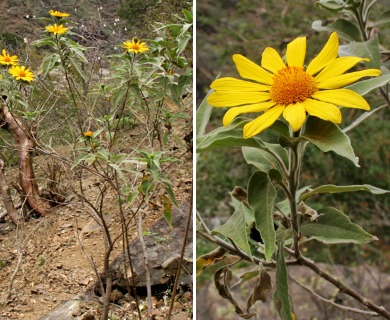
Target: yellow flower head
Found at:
21, 73
56, 29
291, 89
88, 134
7, 60
58, 14
135, 46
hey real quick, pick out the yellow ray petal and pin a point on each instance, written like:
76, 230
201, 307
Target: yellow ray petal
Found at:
271, 60
342, 97
232, 99
296, 52
338, 67
251, 70
232, 113
322, 110
326, 55
236, 85
295, 114
263, 122
346, 79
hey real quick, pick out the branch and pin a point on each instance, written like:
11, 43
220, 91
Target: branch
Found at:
334, 304
146, 265
206, 233
341, 286
183, 249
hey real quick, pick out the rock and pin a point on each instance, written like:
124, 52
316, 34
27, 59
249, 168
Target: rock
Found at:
64, 311
163, 253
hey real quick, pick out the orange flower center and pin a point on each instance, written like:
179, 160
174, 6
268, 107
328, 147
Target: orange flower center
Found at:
291, 85
136, 46
7, 59
21, 74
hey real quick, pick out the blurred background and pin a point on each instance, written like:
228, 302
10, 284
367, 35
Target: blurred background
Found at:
247, 27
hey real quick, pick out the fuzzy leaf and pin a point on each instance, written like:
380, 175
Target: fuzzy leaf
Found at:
333, 226
264, 160
281, 298
202, 116
327, 136
366, 86
383, 18
367, 49
344, 28
330, 188
235, 230
261, 198
230, 136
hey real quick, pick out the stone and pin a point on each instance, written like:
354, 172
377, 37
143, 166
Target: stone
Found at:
64, 311
162, 254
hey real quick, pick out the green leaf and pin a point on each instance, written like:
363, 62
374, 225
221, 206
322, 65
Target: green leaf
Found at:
333, 226
330, 188
383, 18
167, 209
344, 28
333, 6
202, 116
264, 160
366, 86
368, 49
230, 136
77, 68
168, 189
261, 198
281, 127
235, 229
327, 136
239, 196
281, 298
118, 171
183, 44
48, 63
188, 15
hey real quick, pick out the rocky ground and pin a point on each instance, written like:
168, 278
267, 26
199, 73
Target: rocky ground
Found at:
43, 264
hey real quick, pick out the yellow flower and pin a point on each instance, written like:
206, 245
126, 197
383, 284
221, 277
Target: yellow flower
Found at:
8, 60
88, 134
135, 46
58, 14
291, 89
56, 29
21, 73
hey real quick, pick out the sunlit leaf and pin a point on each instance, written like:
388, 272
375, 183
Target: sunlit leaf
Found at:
167, 209
327, 136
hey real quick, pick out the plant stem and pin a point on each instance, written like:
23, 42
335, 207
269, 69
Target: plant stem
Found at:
293, 181
183, 248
